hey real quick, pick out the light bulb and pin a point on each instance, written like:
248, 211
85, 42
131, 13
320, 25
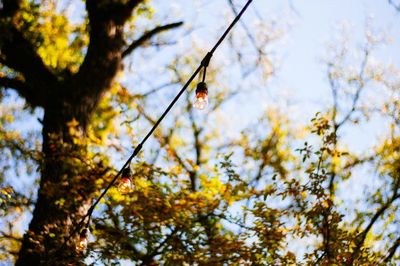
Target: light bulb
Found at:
201, 102
83, 240
125, 185
201, 96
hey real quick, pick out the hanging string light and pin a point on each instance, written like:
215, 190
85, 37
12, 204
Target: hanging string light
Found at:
201, 101
201, 96
83, 240
125, 184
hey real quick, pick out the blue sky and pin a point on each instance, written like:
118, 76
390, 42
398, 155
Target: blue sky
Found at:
300, 83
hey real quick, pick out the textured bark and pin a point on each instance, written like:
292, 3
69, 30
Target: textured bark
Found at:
64, 193
66, 185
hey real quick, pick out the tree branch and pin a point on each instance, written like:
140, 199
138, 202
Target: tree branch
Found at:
148, 35
104, 53
246, 29
23, 89
360, 241
19, 54
10, 7
361, 80
392, 251
396, 6
12, 83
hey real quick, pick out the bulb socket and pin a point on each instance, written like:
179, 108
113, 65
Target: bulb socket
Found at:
127, 173
84, 233
201, 88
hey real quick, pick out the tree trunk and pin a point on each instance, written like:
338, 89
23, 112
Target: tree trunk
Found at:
65, 187
67, 184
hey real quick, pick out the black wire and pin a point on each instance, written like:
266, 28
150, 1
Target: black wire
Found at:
204, 74
231, 26
204, 63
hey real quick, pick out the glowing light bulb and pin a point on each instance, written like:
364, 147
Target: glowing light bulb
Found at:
83, 240
125, 185
201, 96
201, 102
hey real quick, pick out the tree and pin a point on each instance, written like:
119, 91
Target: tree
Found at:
199, 196
49, 74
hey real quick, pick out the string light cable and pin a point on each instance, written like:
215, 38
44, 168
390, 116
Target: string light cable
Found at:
125, 184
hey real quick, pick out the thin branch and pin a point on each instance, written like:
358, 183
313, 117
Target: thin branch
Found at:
360, 87
363, 234
227, 97
157, 250
158, 88
253, 41
392, 251
148, 35
246, 29
396, 6
293, 8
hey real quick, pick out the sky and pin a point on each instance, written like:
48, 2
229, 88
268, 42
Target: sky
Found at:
300, 81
